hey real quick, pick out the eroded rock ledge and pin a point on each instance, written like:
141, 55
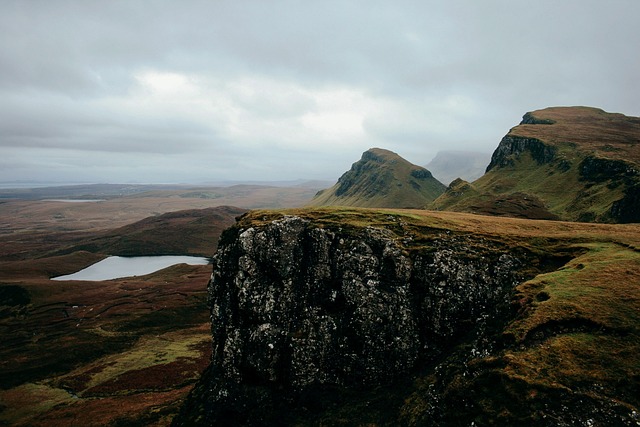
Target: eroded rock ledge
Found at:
299, 309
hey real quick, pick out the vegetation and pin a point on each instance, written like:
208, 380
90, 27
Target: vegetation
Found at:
572, 163
120, 352
382, 179
128, 351
564, 356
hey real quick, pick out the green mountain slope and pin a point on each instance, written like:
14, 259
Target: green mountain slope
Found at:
382, 178
571, 163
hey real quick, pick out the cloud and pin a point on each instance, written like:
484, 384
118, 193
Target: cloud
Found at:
200, 90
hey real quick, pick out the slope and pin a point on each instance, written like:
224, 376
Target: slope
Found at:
191, 231
571, 163
382, 178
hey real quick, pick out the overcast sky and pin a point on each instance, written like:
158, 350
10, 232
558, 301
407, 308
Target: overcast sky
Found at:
194, 91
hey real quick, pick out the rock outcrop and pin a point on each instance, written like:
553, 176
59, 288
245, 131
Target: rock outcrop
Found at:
299, 309
512, 147
342, 316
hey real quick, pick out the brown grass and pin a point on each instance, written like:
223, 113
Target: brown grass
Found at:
608, 135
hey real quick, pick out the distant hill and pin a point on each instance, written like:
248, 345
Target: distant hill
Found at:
186, 232
570, 163
449, 165
381, 178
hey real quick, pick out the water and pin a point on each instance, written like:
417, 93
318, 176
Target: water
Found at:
74, 200
116, 267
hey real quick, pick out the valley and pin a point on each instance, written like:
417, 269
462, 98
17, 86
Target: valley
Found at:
117, 352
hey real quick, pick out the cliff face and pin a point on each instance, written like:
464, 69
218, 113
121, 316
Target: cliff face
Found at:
379, 317
512, 147
298, 308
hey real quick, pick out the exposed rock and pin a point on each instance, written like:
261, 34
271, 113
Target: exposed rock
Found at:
511, 147
530, 119
627, 209
298, 308
577, 163
596, 169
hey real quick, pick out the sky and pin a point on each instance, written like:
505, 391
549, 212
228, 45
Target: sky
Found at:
191, 91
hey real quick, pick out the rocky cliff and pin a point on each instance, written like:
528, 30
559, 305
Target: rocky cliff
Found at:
316, 314
574, 163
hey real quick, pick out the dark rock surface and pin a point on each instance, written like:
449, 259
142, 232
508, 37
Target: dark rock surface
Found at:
300, 310
511, 147
530, 119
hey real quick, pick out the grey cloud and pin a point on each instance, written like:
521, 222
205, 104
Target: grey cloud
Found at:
69, 77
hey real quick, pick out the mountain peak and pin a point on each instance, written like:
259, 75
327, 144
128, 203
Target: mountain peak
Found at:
381, 178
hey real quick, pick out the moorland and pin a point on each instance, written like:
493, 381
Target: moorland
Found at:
118, 352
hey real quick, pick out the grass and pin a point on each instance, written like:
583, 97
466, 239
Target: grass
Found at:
605, 134
577, 336
558, 186
574, 334
107, 375
381, 179
128, 348
601, 286
30, 400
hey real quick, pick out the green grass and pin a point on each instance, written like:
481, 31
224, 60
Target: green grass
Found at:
601, 286
382, 179
576, 134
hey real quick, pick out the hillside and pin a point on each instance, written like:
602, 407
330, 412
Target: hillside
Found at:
192, 232
118, 352
382, 178
570, 163
345, 316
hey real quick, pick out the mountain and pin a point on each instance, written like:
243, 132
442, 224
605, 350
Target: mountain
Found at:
381, 178
570, 163
449, 165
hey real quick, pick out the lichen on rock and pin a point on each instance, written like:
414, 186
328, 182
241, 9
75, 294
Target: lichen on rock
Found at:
298, 307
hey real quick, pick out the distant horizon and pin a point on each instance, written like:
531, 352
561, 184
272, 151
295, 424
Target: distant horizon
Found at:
26, 184
43, 184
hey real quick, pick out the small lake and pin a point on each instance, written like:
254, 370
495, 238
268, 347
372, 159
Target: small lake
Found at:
116, 267
74, 200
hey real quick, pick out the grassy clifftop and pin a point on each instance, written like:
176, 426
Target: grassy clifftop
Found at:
571, 163
382, 178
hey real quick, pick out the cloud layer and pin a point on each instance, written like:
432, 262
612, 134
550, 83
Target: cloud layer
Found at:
199, 91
